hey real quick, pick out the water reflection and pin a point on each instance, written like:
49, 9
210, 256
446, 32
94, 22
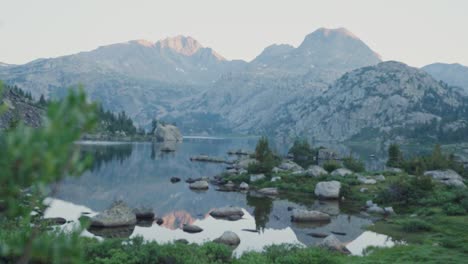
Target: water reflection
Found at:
140, 173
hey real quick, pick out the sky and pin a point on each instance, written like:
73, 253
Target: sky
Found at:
417, 32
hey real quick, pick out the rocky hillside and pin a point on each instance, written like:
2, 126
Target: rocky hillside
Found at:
18, 108
378, 101
453, 74
280, 76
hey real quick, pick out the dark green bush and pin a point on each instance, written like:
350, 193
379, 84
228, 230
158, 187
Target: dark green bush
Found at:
267, 160
354, 164
302, 153
331, 165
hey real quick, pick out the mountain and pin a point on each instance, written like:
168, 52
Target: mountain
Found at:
248, 101
143, 78
388, 100
19, 107
4, 64
454, 74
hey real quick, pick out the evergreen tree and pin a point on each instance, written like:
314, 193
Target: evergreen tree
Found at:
395, 157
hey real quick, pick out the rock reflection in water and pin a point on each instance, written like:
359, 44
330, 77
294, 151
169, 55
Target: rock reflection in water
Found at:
113, 232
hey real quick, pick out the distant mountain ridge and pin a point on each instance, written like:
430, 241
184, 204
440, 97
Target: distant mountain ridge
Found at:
454, 74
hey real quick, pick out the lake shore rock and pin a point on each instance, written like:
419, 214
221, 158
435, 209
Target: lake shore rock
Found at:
167, 132
228, 238
447, 177
227, 211
300, 215
334, 244
328, 189
192, 229
199, 185
119, 214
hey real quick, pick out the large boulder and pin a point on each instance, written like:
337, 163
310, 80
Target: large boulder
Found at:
244, 186
244, 163
167, 132
332, 243
300, 215
119, 214
316, 171
226, 212
290, 166
447, 177
366, 180
328, 189
342, 172
199, 185
228, 238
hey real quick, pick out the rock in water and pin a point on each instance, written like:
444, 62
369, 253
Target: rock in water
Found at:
228, 238
332, 243
118, 215
226, 212
243, 186
300, 215
199, 185
167, 132
268, 191
192, 229
175, 179
143, 213
328, 189
315, 171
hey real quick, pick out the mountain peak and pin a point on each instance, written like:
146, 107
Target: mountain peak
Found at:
181, 44
327, 32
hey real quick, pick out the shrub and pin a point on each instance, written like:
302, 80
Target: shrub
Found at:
331, 165
405, 190
354, 164
454, 209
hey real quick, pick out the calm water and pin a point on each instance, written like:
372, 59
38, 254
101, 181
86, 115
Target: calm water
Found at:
139, 174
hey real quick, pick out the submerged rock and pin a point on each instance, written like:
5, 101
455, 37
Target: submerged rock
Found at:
328, 189
175, 179
199, 185
300, 215
228, 238
268, 191
118, 215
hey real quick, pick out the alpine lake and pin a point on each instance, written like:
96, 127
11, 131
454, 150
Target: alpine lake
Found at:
139, 175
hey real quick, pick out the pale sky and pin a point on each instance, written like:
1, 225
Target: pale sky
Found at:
417, 32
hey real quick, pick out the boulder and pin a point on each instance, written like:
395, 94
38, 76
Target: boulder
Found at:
243, 186
389, 210
334, 244
300, 215
342, 172
394, 170
199, 185
315, 171
205, 158
234, 217
380, 177
276, 178
375, 209
328, 189
256, 177
167, 132
191, 228
268, 191
242, 171
366, 180
290, 166
226, 212
228, 238
143, 213
119, 214
447, 177
244, 163
159, 221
